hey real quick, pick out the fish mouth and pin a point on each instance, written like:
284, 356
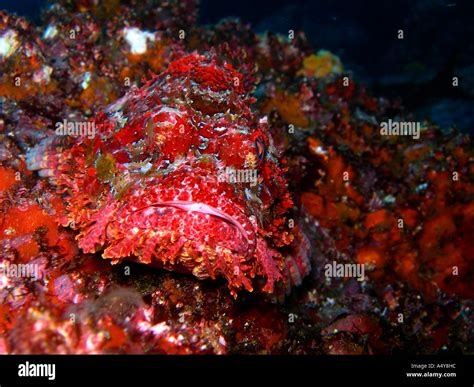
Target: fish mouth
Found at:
207, 209
205, 215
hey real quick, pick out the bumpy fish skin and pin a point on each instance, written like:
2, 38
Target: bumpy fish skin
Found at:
182, 175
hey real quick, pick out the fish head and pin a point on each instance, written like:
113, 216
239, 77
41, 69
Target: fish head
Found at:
183, 175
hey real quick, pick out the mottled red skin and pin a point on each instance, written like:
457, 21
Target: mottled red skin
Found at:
160, 198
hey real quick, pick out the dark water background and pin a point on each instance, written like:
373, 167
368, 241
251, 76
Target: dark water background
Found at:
438, 44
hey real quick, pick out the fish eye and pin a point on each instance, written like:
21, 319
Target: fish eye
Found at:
260, 149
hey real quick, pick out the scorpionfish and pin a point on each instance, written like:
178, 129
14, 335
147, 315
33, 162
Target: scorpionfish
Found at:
181, 174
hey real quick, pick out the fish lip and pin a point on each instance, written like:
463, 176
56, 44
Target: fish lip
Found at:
203, 208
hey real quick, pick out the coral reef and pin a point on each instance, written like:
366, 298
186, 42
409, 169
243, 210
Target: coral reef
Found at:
167, 187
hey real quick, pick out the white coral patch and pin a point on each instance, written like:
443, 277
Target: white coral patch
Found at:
8, 44
43, 75
50, 32
137, 39
86, 80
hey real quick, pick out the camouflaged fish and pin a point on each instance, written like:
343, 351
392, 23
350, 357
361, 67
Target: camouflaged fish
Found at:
180, 174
